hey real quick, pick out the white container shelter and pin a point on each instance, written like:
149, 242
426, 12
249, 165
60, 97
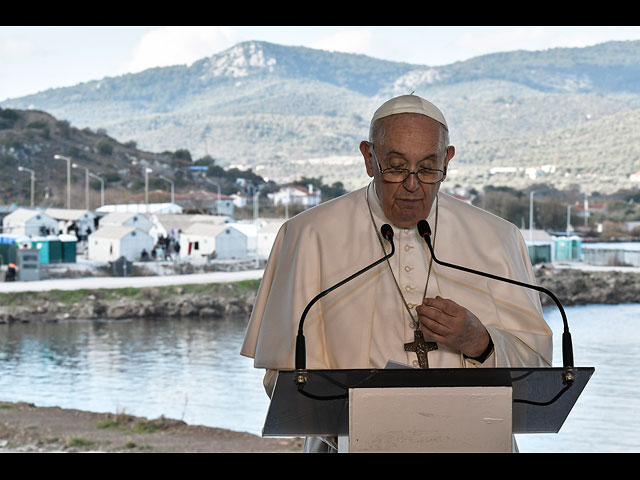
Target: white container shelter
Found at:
84, 219
201, 240
165, 224
107, 244
267, 236
24, 221
126, 219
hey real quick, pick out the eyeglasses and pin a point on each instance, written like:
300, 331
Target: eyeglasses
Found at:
399, 175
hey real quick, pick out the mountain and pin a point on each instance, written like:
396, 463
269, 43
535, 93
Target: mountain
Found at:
291, 111
31, 139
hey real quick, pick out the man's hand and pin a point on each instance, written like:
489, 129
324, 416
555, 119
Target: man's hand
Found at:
446, 322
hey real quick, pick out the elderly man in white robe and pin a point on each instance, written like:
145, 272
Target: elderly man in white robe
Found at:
475, 322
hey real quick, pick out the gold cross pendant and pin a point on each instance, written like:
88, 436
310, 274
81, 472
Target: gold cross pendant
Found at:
420, 346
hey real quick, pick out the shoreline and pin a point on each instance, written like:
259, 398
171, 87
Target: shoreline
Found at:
216, 295
26, 428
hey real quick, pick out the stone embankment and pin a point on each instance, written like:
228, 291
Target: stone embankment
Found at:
211, 301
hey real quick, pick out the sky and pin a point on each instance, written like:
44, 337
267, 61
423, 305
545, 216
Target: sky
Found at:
36, 58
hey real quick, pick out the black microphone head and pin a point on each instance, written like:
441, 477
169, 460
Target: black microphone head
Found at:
424, 229
387, 231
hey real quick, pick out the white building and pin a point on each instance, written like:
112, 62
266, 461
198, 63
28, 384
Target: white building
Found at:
204, 201
267, 236
107, 244
250, 230
24, 221
84, 219
297, 195
141, 208
125, 219
241, 200
205, 240
171, 225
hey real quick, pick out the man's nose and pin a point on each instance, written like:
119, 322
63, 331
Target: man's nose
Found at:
411, 183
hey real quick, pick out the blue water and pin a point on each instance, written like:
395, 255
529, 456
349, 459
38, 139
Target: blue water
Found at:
606, 417
190, 369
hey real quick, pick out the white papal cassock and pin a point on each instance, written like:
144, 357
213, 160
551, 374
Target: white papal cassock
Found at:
364, 323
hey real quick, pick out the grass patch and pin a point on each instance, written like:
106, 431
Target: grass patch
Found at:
108, 424
130, 424
79, 442
149, 426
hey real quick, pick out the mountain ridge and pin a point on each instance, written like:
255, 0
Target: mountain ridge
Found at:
268, 106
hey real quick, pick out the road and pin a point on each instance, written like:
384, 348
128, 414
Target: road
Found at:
124, 282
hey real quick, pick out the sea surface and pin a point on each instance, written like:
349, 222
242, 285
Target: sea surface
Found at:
190, 369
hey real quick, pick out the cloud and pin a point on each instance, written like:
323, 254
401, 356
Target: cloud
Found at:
10, 47
178, 46
347, 41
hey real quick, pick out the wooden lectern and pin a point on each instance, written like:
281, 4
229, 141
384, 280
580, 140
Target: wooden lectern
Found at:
423, 410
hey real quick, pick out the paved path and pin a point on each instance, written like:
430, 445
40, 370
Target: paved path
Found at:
124, 282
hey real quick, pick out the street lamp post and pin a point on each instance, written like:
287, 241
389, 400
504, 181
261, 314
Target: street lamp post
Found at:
218, 200
68, 160
101, 187
147, 171
86, 183
173, 198
531, 215
586, 209
33, 180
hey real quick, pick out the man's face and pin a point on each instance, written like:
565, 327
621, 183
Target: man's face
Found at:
410, 141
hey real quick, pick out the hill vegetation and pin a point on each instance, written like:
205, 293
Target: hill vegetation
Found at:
565, 117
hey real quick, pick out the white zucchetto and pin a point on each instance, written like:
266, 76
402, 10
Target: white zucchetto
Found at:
409, 104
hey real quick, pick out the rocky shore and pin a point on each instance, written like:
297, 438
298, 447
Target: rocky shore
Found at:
211, 301
26, 428
207, 301
575, 286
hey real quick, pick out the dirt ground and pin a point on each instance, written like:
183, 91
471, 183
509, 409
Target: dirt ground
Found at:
27, 428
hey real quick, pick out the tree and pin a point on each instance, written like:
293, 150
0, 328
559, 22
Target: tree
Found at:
182, 154
104, 146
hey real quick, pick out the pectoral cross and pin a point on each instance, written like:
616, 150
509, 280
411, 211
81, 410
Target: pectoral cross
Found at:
421, 347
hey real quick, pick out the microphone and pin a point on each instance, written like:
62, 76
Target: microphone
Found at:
567, 347
301, 353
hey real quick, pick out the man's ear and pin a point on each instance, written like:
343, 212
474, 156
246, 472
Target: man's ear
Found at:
451, 151
365, 149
